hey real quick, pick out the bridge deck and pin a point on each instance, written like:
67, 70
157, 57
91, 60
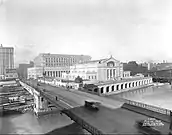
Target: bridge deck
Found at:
113, 121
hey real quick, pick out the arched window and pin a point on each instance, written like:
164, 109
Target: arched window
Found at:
133, 84
122, 86
113, 88
129, 85
101, 90
107, 89
125, 85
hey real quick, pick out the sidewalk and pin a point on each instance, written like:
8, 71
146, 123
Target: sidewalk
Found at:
149, 113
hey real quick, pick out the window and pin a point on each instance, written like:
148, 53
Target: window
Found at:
95, 77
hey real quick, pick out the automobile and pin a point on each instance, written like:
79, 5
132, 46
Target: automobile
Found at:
146, 129
92, 105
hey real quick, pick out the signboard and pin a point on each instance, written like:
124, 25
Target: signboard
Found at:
11, 71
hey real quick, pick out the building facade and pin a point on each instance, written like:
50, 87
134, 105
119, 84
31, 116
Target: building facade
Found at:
112, 87
22, 69
6, 60
126, 74
101, 70
11, 74
53, 65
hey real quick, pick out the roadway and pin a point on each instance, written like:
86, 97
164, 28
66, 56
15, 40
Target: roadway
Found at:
77, 98
113, 119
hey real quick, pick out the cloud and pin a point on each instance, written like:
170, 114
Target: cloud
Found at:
134, 29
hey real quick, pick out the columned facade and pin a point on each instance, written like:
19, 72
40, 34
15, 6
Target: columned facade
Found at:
53, 65
97, 70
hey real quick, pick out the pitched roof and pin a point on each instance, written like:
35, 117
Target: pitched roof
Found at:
97, 61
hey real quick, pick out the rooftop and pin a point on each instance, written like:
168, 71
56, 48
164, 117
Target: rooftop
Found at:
120, 81
97, 61
47, 54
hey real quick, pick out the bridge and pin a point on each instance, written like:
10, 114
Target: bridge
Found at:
120, 120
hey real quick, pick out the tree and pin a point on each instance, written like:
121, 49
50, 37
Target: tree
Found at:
78, 79
135, 68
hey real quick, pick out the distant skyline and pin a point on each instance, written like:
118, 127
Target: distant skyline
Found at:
127, 29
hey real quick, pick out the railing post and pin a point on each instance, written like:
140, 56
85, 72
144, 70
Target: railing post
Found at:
170, 120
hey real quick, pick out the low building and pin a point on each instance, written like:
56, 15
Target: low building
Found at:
126, 74
35, 72
101, 70
112, 87
11, 74
22, 70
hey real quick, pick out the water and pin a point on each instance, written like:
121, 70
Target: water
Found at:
28, 124
60, 124
157, 96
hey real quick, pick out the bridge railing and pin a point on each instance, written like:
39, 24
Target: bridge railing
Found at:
83, 123
149, 107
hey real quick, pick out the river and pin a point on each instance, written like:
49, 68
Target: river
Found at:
28, 124
60, 124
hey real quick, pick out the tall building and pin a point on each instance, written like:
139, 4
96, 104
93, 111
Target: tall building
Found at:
6, 60
53, 65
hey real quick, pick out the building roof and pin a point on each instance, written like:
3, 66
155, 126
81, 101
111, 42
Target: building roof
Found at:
47, 54
97, 61
120, 81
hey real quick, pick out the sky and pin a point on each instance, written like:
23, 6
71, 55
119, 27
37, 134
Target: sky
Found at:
127, 29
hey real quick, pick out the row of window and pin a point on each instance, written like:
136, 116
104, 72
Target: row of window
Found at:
124, 86
57, 64
126, 75
78, 71
60, 59
92, 77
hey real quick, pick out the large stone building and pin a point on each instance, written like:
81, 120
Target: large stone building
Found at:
101, 70
6, 60
53, 65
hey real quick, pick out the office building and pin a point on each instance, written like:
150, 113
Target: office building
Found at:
6, 60
53, 65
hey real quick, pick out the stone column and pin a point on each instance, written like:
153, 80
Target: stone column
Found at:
109, 74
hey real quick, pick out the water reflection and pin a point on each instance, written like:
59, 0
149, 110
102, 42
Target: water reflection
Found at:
29, 124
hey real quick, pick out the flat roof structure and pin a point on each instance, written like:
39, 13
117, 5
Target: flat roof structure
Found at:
120, 81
